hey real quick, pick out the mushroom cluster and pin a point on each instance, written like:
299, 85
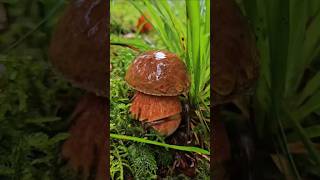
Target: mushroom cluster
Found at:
158, 77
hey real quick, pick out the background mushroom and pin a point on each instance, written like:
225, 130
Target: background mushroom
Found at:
235, 65
143, 26
78, 52
235, 71
159, 78
78, 48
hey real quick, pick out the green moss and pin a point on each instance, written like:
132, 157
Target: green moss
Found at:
33, 110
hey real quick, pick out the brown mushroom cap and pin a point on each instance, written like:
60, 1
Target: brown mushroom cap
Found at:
235, 55
158, 73
78, 47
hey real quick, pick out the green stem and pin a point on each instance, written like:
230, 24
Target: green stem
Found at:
142, 140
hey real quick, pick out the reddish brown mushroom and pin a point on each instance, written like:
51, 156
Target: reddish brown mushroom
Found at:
235, 65
159, 78
85, 148
143, 26
235, 70
78, 51
78, 47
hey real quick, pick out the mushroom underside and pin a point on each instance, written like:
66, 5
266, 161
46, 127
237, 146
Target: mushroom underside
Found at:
161, 112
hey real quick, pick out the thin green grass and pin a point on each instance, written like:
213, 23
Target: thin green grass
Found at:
146, 141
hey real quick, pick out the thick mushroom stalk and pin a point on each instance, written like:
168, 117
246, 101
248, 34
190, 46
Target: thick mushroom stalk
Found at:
159, 78
85, 148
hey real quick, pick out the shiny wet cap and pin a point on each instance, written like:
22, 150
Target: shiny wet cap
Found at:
159, 73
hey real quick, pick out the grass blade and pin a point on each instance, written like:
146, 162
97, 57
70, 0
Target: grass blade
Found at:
312, 86
142, 140
314, 154
295, 65
312, 105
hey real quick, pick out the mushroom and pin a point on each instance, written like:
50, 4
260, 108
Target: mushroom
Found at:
235, 70
143, 25
159, 77
78, 51
235, 64
79, 43
85, 147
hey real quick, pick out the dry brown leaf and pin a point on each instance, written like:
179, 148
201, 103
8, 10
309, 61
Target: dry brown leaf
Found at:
283, 165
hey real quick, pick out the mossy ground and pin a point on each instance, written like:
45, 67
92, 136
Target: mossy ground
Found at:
35, 103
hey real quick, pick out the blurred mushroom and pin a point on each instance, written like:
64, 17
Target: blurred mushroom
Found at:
78, 47
85, 148
159, 78
143, 26
78, 51
235, 70
235, 65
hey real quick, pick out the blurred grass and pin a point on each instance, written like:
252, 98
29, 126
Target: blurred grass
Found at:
120, 22
287, 95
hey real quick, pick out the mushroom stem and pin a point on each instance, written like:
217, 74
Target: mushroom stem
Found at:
168, 125
85, 146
